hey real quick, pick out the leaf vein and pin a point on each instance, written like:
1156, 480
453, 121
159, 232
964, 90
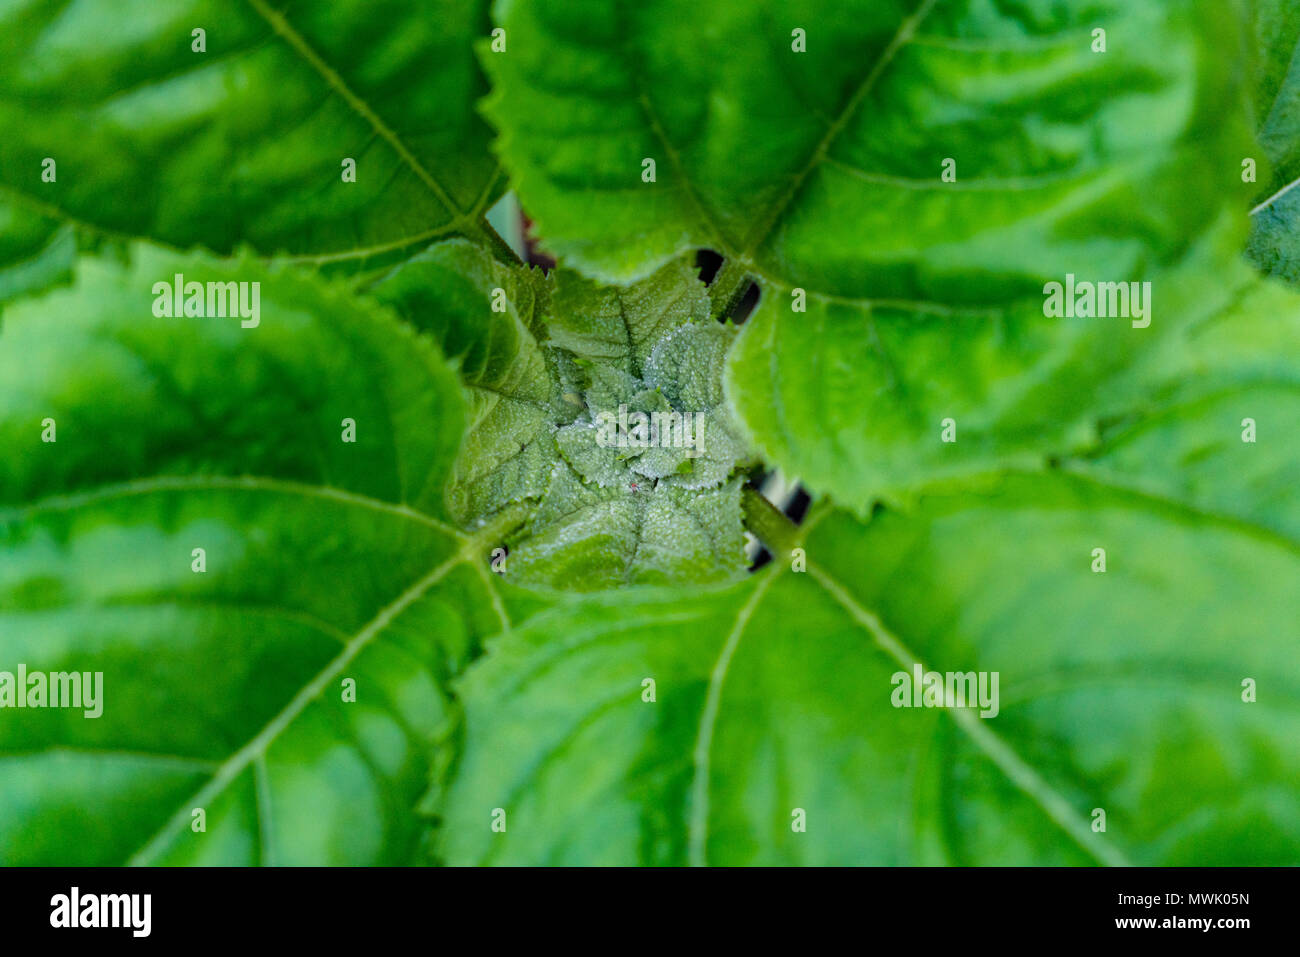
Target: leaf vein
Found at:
1057, 809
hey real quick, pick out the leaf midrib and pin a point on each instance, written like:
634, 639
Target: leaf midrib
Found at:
255, 749
252, 754
1013, 767
905, 32
698, 827
281, 26
461, 219
1021, 774
182, 483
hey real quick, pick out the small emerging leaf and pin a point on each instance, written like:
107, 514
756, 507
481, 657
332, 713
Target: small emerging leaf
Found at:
600, 407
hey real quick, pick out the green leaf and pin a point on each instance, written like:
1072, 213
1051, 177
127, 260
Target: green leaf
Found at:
555, 375
621, 325
822, 169
324, 560
958, 392
820, 174
35, 251
244, 142
1273, 245
1120, 691
509, 451
1216, 435
1277, 89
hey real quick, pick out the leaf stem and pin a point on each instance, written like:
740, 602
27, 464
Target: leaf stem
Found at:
769, 523
497, 528
497, 242
728, 287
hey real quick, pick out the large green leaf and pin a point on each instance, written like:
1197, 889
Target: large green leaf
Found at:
962, 391
540, 369
244, 143
1277, 89
1217, 432
1119, 691
1274, 246
325, 560
821, 171
36, 251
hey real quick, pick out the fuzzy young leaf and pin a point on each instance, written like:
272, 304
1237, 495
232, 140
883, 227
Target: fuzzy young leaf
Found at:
622, 324
510, 449
557, 376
